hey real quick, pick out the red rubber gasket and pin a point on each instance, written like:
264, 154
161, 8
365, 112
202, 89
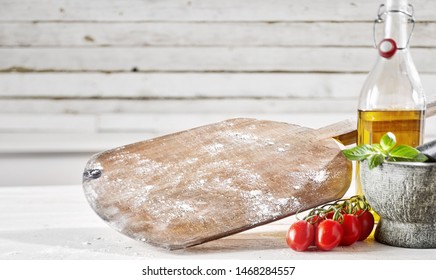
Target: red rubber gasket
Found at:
387, 48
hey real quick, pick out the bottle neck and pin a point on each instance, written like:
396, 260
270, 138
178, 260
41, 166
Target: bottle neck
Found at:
396, 22
396, 29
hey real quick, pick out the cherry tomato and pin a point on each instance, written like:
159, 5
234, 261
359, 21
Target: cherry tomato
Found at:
366, 220
315, 221
352, 229
300, 235
328, 235
329, 215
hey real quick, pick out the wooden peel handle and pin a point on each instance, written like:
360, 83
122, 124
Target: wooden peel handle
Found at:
346, 133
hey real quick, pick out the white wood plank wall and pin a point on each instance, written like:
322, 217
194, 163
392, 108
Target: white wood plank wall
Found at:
80, 76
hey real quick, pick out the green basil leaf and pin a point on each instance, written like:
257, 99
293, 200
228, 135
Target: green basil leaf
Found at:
403, 152
420, 158
386, 150
360, 152
379, 149
375, 160
388, 141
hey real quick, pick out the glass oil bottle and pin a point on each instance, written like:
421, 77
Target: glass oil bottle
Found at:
392, 98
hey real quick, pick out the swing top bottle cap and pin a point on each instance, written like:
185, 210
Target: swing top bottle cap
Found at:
387, 48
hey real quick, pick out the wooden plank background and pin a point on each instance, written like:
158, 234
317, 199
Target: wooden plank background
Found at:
78, 77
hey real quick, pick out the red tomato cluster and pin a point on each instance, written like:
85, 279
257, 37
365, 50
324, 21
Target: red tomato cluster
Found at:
341, 224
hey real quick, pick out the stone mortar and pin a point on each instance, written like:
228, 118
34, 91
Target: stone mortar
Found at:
404, 195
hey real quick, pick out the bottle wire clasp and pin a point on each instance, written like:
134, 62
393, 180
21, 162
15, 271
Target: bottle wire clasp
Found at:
381, 15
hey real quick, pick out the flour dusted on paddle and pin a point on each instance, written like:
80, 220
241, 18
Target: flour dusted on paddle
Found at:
186, 188
242, 137
263, 206
315, 179
214, 148
319, 176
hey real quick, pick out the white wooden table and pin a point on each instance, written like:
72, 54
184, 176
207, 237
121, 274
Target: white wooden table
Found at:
55, 222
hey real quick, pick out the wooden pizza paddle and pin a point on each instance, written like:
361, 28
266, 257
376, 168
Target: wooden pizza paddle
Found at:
202, 184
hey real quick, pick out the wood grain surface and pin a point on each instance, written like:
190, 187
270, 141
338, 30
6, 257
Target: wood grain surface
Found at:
198, 185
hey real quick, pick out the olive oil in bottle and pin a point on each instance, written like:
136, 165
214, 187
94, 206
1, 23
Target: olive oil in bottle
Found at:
392, 98
407, 125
